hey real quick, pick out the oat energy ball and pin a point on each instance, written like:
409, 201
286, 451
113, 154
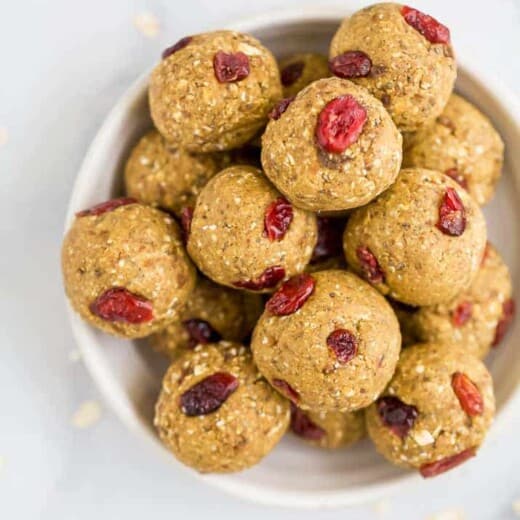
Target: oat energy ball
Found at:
213, 91
158, 174
478, 317
125, 269
333, 148
436, 410
402, 56
463, 144
299, 70
327, 341
328, 429
211, 313
216, 413
245, 235
421, 242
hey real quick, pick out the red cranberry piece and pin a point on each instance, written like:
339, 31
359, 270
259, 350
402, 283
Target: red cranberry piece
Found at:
231, 67
302, 425
209, 394
286, 389
201, 332
428, 26
468, 394
105, 207
436, 468
369, 265
120, 305
329, 244
351, 64
457, 177
280, 108
183, 42
186, 218
462, 314
452, 214
340, 123
268, 279
291, 73
395, 414
277, 219
508, 313
291, 295
344, 345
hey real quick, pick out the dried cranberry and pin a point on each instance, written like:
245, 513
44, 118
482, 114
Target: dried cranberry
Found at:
291, 295
291, 73
508, 313
369, 265
280, 108
468, 394
462, 314
302, 425
351, 64
329, 244
183, 42
457, 177
436, 468
286, 389
231, 67
344, 345
268, 279
120, 305
208, 395
428, 26
105, 207
340, 123
186, 218
395, 414
201, 332
277, 219
452, 214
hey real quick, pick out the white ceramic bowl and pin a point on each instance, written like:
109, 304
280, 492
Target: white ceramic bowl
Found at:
129, 374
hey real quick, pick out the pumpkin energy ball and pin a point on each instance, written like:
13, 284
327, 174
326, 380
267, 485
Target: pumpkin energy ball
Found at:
328, 429
299, 70
213, 91
160, 175
245, 235
402, 56
216, 413
331, 149
211, 313
435, 412
463, 144
327, 341
421, 242
125, 269
476, 319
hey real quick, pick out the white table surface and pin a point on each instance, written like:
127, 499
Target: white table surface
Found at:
64, 63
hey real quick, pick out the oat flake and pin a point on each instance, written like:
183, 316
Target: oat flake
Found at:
147, 24
3, 136
88, 414
451, 514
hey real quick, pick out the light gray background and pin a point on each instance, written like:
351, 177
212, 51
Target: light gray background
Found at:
63, 65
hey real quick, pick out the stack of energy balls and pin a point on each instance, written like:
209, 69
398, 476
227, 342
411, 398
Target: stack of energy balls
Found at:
273, 246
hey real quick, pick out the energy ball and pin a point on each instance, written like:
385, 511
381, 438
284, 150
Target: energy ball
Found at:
158, 174
331, 149
211, 313
213, 91
421, 242
402, 56
328, 429
476, 319
436, 410
125, 269
299, 70
327, 341
216, 413
245, 235
463, 144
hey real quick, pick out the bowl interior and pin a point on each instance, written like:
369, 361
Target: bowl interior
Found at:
129, 374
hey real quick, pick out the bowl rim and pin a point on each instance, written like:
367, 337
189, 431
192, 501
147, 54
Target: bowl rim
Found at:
492, 84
